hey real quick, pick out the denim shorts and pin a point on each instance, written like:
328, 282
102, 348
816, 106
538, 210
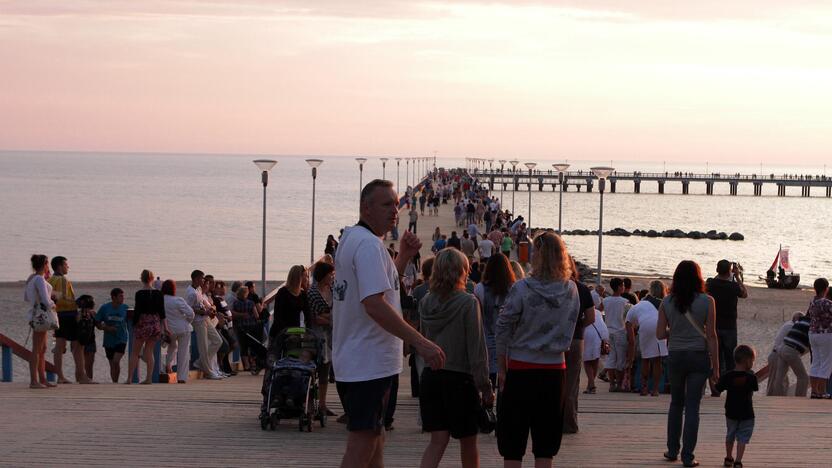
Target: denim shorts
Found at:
739, 430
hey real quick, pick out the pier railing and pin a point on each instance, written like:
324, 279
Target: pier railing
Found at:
12, 348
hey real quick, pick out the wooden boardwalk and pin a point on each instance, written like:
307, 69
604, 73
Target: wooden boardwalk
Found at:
207, 424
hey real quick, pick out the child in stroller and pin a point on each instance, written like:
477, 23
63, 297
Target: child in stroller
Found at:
290, 385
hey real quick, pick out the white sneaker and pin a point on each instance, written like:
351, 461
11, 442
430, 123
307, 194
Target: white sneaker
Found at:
213, 377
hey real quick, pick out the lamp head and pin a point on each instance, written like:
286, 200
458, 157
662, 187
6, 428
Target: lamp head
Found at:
502, 162
514, 163
602, 172
384, 160
361, 160
265, 165
314, 162
531, 165
561, 167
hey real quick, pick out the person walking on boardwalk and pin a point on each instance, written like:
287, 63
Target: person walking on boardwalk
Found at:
534, 330
68, 321
38, 293
413, 217
726, 287
450, 398
690, 316
575, 354
368, 327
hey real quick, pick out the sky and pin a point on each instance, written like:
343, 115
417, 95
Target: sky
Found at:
655, 80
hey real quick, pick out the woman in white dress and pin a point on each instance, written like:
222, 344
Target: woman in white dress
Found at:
594, 335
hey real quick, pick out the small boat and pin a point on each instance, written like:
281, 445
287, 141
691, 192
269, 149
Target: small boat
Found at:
780, 274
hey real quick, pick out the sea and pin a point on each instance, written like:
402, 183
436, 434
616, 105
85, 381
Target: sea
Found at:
115, 214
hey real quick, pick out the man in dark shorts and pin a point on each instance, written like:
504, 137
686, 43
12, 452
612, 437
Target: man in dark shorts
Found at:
368, 327
112, 318
726, 288
67, 310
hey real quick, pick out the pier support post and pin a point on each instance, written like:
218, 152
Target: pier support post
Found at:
491, 183
828, 192
661, 186
733, 186
516, 184
612, 186
540, 184
636, 186
685, 187
709, 188
588, 186
758, 189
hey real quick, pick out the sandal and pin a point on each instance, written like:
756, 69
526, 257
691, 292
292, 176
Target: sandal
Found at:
729, 461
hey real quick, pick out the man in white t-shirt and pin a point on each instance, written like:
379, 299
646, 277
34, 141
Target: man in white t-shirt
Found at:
615, 309
644, 317
486, 249
368, 327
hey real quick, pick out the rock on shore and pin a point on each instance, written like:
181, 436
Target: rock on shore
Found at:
668, 233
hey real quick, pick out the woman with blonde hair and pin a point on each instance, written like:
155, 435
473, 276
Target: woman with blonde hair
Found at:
291, 301
449, 398
534, 330
149, 323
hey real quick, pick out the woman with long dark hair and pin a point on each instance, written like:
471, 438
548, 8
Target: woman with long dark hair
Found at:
690, 316
491, 292
38, 293
534, 330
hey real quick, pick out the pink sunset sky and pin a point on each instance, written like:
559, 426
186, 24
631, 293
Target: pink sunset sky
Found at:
736, 81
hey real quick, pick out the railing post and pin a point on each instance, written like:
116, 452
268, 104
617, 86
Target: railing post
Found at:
7, 364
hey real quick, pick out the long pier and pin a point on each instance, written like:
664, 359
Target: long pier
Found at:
585, 180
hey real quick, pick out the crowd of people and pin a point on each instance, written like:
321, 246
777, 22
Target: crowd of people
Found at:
482, 324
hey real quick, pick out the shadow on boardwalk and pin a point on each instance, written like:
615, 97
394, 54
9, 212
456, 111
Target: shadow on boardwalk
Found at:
211, 424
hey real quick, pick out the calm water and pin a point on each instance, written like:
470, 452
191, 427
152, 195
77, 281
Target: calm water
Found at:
115, 214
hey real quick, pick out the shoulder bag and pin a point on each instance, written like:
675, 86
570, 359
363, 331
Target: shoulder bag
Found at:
43, 318
605, 345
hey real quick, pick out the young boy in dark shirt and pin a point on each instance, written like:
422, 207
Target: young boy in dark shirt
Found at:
740, 383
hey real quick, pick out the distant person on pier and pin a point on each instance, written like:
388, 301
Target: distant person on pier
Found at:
331, 245
413, 217
688, 315
726, 288
368, 327
38, 293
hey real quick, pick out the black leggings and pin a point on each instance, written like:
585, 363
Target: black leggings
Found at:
531, 401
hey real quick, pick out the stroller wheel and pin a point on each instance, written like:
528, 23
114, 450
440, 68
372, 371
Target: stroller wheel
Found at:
264, 423
274, 421
322, 418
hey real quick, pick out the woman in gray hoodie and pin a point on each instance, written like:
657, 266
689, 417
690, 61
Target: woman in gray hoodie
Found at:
534, 330
450, 398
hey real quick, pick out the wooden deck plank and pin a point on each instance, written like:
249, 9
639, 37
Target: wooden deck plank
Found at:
214, 424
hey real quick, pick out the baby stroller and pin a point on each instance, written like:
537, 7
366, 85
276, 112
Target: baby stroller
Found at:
290, 384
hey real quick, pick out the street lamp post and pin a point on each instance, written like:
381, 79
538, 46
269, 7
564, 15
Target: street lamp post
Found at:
407, 171
561, 168
514, 164
313, 163
398, 162
531, 166
602, 173
265, 165
502, 182
361, 162
384, 168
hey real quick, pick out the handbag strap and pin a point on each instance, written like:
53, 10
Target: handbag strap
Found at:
695, 325
599, 333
